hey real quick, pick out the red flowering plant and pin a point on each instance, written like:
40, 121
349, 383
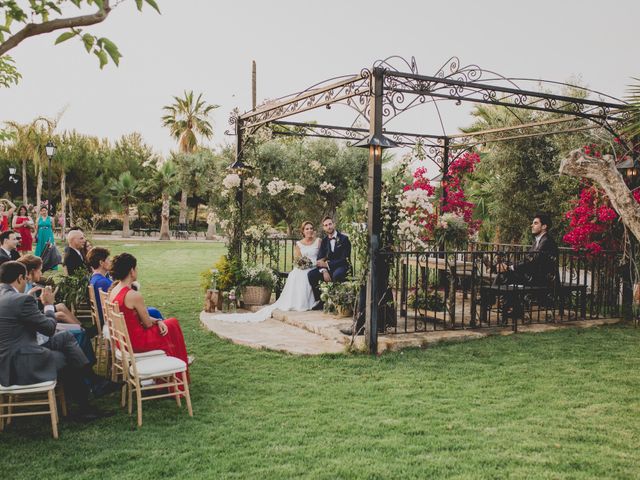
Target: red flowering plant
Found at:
419, 219
593, 223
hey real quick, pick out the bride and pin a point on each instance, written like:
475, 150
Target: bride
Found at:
297, 293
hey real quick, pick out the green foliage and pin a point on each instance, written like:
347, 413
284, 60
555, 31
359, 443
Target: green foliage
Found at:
40, 14
188, 117
228, 273
632, 122
340, 295
72, 289
426, 300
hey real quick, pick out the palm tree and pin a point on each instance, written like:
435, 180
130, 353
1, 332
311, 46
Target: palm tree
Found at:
165, 180
124, 191
187, 118
632, 127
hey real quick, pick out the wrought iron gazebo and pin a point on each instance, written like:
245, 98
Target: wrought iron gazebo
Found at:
379, 95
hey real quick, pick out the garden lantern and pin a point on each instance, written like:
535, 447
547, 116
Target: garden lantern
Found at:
50, 149
376, 142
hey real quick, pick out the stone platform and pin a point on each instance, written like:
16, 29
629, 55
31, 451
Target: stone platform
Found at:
314, 333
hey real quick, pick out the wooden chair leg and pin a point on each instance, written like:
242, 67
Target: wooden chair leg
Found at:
63, 400
123, 393
52, 410
130, 398
178, 394
187, 395
9, 409
139, 401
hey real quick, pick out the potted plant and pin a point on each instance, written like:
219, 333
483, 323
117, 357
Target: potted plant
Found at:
340, 298
256, 284
424, 301
217, 280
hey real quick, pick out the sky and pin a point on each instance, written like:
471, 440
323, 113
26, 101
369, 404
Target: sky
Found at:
207, 46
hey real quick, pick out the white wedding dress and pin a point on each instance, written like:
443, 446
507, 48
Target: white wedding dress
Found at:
296, 295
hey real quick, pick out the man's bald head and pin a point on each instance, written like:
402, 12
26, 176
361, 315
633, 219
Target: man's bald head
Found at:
75, 239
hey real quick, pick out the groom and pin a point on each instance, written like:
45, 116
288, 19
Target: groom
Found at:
333, 259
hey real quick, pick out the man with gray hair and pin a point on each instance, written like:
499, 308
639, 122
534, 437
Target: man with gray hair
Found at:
73, 256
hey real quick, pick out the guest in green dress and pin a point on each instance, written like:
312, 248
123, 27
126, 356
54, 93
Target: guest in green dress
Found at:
44, 231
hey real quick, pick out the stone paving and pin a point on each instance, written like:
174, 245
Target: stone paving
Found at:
314, 333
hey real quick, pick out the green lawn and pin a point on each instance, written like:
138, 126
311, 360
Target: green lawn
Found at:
554, 405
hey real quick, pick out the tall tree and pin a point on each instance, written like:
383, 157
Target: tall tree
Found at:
187, 118
165, 180
124, 192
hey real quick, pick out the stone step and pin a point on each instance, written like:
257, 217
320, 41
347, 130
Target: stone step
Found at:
273, 335
317, 322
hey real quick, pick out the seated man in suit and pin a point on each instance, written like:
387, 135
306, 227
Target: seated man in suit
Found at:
9, 241
333, 263
539, 268
22, 360
73, 257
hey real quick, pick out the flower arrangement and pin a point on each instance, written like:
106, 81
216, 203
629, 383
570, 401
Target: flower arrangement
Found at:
257, 276
339, 296
303, 263
232, 180
223, 275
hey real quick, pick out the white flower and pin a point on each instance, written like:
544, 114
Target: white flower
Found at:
232, 180
253, 186
317, 167
298, 189
327, 187
275, 186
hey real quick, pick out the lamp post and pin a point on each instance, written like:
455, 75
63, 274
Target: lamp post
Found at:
50, 149
376, 142
239, 168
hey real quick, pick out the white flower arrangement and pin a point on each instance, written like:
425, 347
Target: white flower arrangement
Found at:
232, 180
327, 187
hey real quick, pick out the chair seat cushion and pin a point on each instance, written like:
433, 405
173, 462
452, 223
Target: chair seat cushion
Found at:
143, 355
159, 366
33, 388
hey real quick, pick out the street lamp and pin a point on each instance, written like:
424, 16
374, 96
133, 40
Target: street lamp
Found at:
239, 168
50, 149
376, 287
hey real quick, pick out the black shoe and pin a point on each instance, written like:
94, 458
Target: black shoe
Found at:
318, 306
105, 388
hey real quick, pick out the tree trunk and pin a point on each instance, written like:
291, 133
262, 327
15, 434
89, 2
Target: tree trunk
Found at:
195, 217
603, 171
63, 200
25, 200
182, 219
39, 188
126, 232
164, 225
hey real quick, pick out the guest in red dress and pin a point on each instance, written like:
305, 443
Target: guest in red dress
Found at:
5, 214
23, 224
146, 333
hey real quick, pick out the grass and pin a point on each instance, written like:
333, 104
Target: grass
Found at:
554, 405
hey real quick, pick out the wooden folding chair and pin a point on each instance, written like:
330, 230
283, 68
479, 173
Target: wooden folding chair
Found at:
100, 344
117, 370
170, 370
14, 396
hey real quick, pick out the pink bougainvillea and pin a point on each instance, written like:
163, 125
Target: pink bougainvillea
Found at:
454, 200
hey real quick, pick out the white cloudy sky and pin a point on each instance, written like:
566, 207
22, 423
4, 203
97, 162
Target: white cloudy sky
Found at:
207, 46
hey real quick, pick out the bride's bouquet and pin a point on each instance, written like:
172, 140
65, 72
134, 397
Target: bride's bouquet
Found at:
303, 263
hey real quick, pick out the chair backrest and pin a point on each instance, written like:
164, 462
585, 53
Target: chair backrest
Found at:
122, 340
94, 310
107, 308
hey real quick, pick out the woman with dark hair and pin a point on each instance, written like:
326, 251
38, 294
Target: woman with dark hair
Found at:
146, 332
23, 224
44, 231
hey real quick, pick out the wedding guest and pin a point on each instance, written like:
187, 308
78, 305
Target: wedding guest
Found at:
73, 256
100, 263
34, 275
9, 246
22, 360
6, 214
146, 333
23, 225
44, 231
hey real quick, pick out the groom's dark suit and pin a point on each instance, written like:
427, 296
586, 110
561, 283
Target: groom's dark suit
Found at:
337, 258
